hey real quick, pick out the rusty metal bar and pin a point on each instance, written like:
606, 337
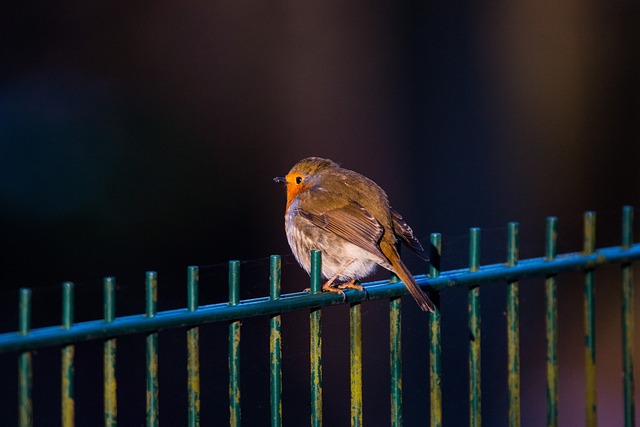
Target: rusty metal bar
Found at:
109, 356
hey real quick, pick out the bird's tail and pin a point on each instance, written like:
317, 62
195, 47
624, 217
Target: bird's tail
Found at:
407, 278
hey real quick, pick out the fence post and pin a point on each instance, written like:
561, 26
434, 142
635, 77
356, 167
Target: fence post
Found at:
551, 323
315, 350
435, 348
475, 392
151, 288
590, 320
234, 347
627, 320
513, 329
395, 343
275, 344
193, 351
25, 372
109, 356
355, 366
68, 404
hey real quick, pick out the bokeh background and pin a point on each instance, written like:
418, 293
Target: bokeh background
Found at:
145, 136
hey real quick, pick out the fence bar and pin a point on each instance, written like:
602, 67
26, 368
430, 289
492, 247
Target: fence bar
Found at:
590, 320
109, 356
316, 343
475, 395
151, 288
193, 352
513, 328
275, 344
68, 404
355, 340
551, 322
435, 347
395, 342
25, 371
627, 320
234, 347
262, 306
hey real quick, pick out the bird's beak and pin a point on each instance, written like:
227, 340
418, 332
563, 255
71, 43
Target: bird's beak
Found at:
280, 179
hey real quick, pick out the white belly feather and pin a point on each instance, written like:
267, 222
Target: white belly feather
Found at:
299, 231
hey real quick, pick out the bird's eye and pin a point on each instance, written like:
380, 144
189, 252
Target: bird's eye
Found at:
298, 180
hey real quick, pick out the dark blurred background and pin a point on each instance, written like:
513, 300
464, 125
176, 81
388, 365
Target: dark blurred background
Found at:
145, 136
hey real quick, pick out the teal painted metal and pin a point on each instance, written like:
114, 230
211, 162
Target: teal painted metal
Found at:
590, 321
355, 365
25, 339
25, 370
513, 328
395, 348
627, 321
275, 344
234, 347
151, 290
435, 345
315, 342
551, 324
109, 356
475, 391
68, 403
193, 351
263, 306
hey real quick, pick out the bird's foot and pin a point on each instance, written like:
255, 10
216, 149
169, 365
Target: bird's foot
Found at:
351, 284
329, 286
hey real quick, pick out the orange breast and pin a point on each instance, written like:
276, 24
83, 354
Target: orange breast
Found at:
292, 192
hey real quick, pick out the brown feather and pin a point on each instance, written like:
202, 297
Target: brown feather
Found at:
405, 233
352, 223
405, 276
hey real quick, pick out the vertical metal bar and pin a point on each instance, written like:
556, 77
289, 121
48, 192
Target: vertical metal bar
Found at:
355, 338
109, 356
435, 348
513, 329
25, 372
395, 355
475, 395
275, 344
590, 321
68, 404
193, 351
234, 347
151, 288
627, 320
316, 343
395, 343
551, 322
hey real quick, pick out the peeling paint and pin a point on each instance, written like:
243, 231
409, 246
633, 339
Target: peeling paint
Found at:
316, 367
234, 374
68, 403
355, 339
193, 376
110, 385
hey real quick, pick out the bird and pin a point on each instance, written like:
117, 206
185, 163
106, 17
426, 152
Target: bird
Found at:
347, 217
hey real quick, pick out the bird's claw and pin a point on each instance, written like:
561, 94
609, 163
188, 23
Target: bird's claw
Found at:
352, 284
330, 286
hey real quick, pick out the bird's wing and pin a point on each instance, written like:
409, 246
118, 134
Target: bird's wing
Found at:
405, 233
351, 222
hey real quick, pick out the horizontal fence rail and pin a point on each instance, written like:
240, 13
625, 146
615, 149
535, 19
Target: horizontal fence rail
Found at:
152, 323
264, 306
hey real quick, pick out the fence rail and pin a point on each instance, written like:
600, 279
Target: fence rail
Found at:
108, 329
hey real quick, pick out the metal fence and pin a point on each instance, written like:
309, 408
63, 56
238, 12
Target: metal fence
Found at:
110, 328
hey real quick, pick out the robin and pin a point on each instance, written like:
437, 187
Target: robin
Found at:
347, 217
